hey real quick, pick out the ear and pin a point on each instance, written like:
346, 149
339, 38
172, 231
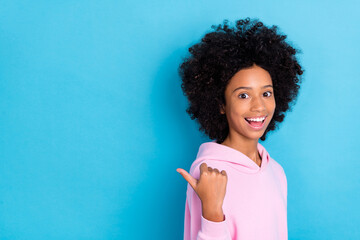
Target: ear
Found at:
222, 109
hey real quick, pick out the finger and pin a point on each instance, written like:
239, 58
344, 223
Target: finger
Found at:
192, 181
203, 167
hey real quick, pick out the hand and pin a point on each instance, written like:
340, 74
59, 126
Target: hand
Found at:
210, 188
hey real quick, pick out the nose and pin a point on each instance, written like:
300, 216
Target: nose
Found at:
257, 105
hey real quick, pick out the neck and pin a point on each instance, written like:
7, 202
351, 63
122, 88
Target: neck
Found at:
246, 146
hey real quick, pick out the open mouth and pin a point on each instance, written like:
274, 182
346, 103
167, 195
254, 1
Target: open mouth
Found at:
256, 124
255, 121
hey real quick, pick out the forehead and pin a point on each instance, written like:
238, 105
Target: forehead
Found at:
254, 77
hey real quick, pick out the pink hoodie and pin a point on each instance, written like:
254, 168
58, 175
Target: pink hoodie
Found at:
255, 204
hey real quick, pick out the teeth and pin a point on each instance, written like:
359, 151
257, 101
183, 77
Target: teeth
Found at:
255, 119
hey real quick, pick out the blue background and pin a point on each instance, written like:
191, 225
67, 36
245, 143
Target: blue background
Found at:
93, 122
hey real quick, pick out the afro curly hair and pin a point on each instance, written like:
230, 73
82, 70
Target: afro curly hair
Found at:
225, 51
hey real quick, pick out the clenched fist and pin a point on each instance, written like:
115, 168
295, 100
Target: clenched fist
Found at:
211, 189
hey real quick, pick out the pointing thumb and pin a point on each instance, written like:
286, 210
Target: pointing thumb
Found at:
192, 181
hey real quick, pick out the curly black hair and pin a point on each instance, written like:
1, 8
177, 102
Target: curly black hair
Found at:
225, 51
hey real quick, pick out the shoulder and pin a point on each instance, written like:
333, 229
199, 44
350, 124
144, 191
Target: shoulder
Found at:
279, 170
280, 175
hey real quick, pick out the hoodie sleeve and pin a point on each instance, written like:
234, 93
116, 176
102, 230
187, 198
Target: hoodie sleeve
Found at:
197, 227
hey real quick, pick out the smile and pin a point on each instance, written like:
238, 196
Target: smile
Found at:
255, 123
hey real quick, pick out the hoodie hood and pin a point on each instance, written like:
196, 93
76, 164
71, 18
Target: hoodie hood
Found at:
218, 152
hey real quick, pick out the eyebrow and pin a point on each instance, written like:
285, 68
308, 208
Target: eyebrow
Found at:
251, 88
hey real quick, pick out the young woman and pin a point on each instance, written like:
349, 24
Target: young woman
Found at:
239, 82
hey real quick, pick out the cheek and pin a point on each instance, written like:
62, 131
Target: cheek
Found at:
274, 103
236, 113
271, 107
274, 106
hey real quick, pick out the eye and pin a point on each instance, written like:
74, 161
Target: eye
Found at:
242, 95
270, 93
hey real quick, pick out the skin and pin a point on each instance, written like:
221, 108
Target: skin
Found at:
211, 189
240, 103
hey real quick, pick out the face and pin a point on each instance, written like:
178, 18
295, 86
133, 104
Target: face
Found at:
249, 94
